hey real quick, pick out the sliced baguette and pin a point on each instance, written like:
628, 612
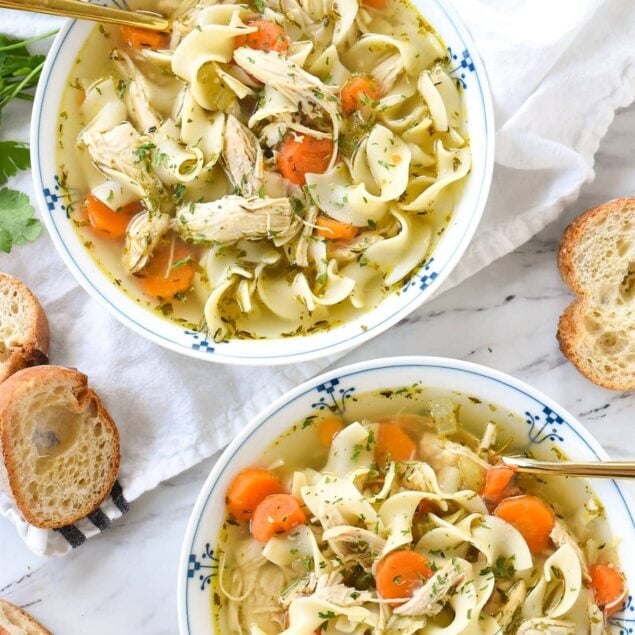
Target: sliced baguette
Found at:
597, 260
15, 621
58, 444
24, 331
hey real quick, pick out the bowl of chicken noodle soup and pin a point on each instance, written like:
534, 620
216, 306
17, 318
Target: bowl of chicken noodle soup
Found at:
269, 182
373, 500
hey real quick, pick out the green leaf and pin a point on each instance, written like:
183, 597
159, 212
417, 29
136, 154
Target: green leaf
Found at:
17, 224
180, 263
14, 156
260, 5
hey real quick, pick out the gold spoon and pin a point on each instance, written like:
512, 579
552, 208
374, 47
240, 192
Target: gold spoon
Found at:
89, 11
606, 469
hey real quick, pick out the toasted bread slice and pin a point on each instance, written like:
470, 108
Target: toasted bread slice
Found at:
58, 444
597, 260
15, 621
24, 331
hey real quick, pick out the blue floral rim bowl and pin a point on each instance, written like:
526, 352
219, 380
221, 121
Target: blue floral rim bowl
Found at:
466, 68
546, 428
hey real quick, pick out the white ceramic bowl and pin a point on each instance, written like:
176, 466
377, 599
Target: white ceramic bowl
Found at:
467, 68
546, 426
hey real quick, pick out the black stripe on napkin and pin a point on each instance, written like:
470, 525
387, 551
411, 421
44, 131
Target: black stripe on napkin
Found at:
99, 519
73, 536
118, 498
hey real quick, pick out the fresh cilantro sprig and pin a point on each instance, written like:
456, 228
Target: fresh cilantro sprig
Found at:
14, 156
19, 69
19, 74
17, 225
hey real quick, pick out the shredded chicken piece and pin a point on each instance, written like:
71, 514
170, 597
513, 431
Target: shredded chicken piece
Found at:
561, 535
419, 477
431, 597
356, 535
142, 236
243, 157
515, 599
309, 92
542, 625
135, 95
440, 452
330, 588
299, 588
117, 150
431, 451
231, 218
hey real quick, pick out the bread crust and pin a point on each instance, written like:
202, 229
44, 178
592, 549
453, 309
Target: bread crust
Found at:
20, 386
571, 330
21, 618
35, 348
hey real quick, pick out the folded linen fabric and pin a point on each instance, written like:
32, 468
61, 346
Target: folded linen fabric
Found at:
558, 71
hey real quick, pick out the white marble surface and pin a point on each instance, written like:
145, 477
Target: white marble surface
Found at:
505, 317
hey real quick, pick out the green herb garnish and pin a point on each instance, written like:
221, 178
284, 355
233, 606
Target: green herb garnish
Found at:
17, 224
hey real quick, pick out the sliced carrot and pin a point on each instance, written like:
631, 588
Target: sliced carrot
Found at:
107, 222
299, 156
533, 518
328, 428
169, 272
357, 92
393, 443
144, 38
248, 489
608, 587
332, 229
401, 573
276, 514
269, 37
375, 4
497, 482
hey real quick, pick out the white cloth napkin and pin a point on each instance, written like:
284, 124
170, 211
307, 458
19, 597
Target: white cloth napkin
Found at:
558, 70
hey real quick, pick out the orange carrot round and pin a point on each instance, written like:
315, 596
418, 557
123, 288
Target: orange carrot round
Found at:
393, 443
375, 4
248, 489
170, 271
357, 92
299, 156
497, 482
269, 37
608, 587
533, 518
276, 514
107, 222
138, 38
328, 428
401, 573
332, 229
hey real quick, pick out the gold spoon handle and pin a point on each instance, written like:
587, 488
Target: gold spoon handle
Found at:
89, 11
606, 469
